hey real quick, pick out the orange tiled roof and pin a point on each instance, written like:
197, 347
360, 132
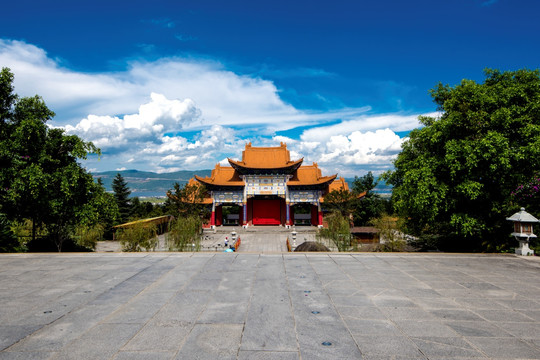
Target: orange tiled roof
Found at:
265, 157
309, 175
338, 184
223, 176
271, 158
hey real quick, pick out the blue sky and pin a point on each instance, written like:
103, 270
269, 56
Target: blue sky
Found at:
169, 85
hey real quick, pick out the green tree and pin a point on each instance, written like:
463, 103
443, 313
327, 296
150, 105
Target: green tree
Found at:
8, 241
40, 177
455, 176
341, 201
370, 205
184, 233
390, 238
121, 194
338, 231
361, 202
143, 209
187, 200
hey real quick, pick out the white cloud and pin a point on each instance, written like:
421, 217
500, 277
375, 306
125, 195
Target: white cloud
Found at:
152, 121
347, 152
396, 122
215, 111
225, 98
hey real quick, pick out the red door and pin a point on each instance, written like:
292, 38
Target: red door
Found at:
266, 212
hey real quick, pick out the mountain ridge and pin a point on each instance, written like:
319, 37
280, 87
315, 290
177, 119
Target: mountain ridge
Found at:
151, 184
147, 183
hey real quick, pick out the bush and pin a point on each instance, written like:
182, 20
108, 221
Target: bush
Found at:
8, 241
184, 232
338, 231
390, 238
139, 237
88, 236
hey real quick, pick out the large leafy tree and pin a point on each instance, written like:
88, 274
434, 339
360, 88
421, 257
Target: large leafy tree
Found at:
455, 176
40, 177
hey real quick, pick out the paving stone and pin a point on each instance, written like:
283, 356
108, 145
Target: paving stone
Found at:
268, 306
425, 328
381, 328
16, 355
268, 355
522, 330
455, 314
477, 329
212, 341
446, 347
100, 342
406, 313
505, 348
504, 316
392, 301
11, 334
159, 337
144, 355
361, 312
390, 346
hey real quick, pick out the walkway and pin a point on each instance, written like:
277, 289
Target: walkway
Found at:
269, 306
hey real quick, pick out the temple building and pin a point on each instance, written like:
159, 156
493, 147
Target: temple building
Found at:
268, 188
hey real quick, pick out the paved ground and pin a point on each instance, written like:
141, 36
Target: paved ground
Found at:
268, 306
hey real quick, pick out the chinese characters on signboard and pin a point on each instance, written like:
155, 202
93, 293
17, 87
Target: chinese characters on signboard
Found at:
266, 185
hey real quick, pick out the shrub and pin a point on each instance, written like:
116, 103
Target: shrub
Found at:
184, 232
139, 237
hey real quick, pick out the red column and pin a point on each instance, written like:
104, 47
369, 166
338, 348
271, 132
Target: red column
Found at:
219, 215
320, 214
213, 216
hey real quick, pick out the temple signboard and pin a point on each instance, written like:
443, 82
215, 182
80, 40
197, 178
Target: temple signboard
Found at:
265, 185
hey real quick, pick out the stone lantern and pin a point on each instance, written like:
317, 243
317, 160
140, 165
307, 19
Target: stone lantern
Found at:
233, 235
523, 230
293, 234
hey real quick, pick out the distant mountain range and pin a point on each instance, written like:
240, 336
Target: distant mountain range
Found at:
150, 184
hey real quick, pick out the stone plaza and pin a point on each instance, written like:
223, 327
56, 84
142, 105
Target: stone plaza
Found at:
269, 306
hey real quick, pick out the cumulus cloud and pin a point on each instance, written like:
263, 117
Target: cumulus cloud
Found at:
185, 113
347, 152
152, 121
225, 98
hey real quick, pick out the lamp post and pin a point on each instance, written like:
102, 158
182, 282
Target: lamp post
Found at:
523, 230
